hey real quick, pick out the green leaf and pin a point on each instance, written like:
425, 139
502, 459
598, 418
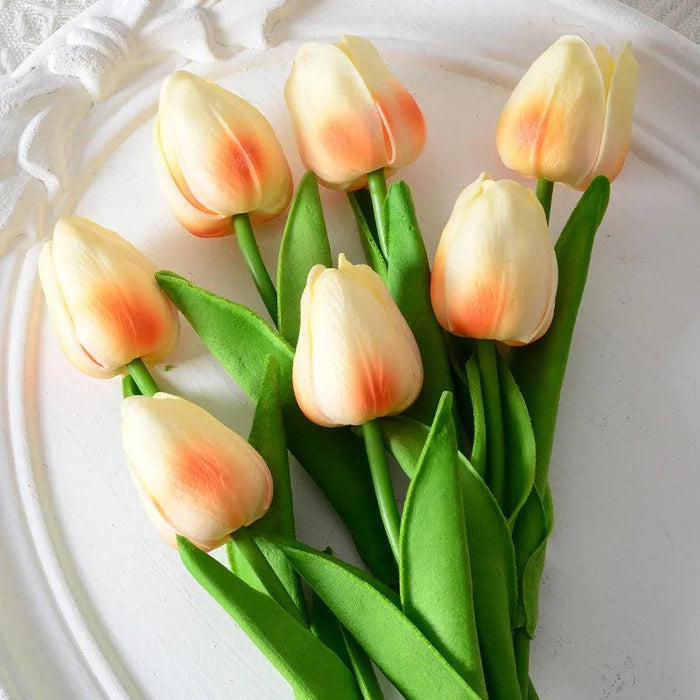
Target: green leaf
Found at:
494, 577
478, 455
325, 625
304, 244
334, 458
362, 666
519, 445
532, 693
313, 670
362, 208
409, 283
532, 529
436, 586
539, 368
267, 436
370, 613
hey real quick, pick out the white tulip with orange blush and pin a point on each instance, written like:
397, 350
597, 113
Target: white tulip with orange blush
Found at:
570, 116
356, 358
196, 477
495, 270
216, 156
103, 299
351, 115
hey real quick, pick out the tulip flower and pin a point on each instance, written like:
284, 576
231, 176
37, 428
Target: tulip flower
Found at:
103, 299
352, 118
495, 271
356, 360
351, 115
201, 478
219, 164
570, 116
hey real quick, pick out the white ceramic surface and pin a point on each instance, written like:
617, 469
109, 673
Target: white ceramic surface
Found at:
91, 603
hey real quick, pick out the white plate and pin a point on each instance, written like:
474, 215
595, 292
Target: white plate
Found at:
92, 604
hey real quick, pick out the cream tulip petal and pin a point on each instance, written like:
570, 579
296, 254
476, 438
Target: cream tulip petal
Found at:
117, 309
302, 371
338, 130
552, 124
496, 266
606, 63
618, 116
548, 315
203, 478
62, 322
452, 228
402, 118
360, 358
226, 151
197, 221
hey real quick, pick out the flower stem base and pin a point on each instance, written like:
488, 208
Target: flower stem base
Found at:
251, 254
377, 189
544, 190
140, 374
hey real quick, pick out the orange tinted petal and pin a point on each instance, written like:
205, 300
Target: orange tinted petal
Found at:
338, 130
402, 118
222, 153
356, 358
203, 479
552, 124
495, 273
117, 310
196, 219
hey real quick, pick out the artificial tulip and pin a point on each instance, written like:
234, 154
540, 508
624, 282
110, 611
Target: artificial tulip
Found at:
351, 115
197, 477
216, 156
103, 299
570, 116
495, 271
356, 358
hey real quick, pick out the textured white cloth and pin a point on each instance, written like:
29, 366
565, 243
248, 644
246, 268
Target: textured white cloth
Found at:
681, 15
24, 24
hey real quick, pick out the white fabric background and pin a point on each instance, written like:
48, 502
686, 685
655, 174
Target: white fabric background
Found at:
24, 24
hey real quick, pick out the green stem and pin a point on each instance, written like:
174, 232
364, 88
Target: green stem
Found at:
382, 483
251, 254
377, 190
486, 354
544, 191
261, 566
140, 374
522, 658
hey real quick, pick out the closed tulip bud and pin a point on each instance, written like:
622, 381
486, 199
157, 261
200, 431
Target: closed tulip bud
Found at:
216, 156
495, 271
351, 115
103, 299
356, 358
569, 118
195, 476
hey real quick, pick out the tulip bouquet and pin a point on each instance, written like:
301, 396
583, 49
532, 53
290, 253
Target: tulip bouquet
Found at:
455, 374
